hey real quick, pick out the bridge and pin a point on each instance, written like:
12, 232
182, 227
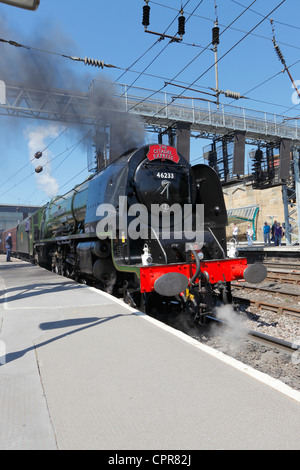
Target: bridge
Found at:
159, 110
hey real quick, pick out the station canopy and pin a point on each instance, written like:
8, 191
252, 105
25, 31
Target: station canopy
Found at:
242, 214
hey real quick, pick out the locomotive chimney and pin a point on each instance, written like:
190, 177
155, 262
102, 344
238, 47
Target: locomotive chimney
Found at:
183, 134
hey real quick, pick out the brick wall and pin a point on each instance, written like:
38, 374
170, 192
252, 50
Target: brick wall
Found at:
269, 201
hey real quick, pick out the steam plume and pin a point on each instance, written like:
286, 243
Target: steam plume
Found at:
36, 142
39, 70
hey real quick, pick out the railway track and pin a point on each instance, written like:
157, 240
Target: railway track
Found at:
288, 347
280, 305
268, 347
282, 271
280, 264
288, 276
289, 279
273, 297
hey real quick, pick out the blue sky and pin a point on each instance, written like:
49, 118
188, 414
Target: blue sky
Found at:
112, 31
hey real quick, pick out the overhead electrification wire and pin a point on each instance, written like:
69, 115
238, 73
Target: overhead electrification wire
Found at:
30, 161
129, 69
168, 80
266, 81
154, 59
238, 42
61, 187
269, 79
260, 14
15, 174
232, 28
143, 72
67, 156
86, 60
193, 60
54, 140
136, 61
229, 50
282, 59
144, 53
225, 105
72, 147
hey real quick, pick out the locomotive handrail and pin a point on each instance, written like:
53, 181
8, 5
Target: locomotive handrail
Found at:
218, 243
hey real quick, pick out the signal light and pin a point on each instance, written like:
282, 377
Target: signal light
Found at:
258, 155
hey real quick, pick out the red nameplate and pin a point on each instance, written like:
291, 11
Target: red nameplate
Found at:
163, 152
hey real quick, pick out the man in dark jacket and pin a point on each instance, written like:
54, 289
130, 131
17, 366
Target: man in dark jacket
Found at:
8, 246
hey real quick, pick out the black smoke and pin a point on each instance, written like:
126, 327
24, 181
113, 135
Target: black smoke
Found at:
39, 70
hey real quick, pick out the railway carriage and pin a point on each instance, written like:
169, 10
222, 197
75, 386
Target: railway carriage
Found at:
13, 232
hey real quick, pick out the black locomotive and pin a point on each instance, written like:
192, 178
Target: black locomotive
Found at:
104, 232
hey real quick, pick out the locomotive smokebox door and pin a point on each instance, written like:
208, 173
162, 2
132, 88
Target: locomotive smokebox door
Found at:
171, 284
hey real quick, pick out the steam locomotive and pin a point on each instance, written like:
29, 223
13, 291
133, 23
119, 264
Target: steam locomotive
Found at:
103, 233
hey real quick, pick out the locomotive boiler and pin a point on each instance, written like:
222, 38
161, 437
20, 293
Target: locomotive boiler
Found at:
124, 230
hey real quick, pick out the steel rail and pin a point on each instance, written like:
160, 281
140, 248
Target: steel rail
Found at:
280, 309
263, 337
265, 289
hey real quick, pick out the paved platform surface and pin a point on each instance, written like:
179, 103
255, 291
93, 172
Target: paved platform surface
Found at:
80, 370
259, 246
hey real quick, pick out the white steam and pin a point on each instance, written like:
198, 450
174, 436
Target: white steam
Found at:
236, 330
38, 139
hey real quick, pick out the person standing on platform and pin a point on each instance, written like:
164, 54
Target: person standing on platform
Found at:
267, 230
235, 232
273, 231
249, 235
8, 246
278, 234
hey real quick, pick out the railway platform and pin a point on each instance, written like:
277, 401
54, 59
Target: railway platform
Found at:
260, 246
259, 252
81, 370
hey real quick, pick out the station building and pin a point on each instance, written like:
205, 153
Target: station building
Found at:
12, 215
